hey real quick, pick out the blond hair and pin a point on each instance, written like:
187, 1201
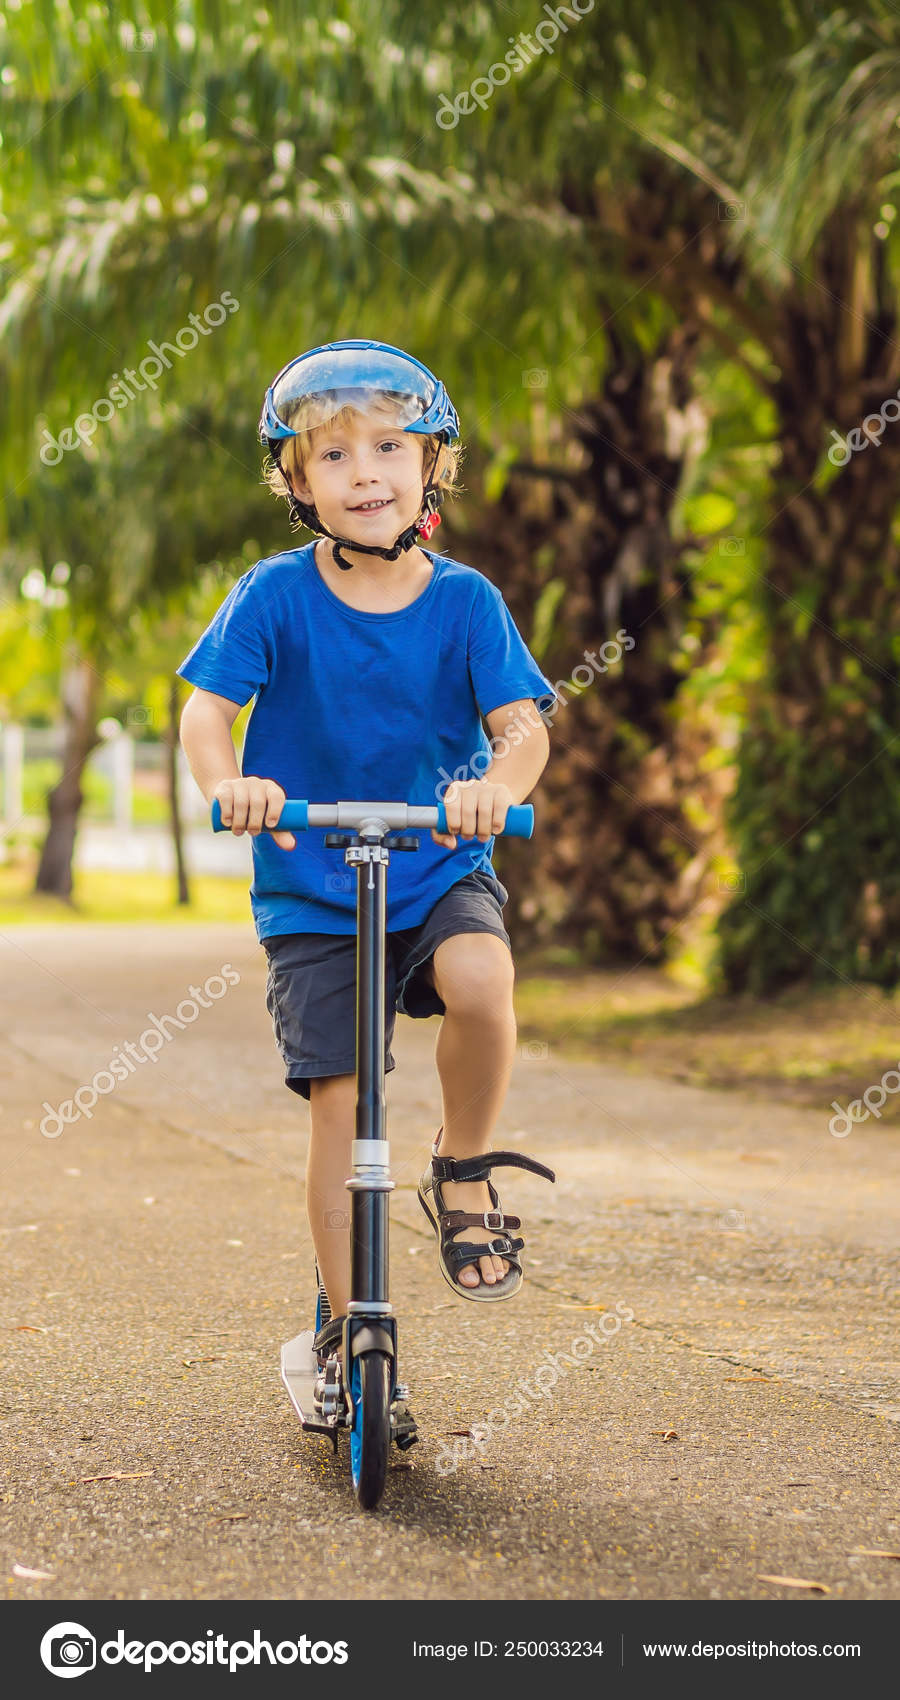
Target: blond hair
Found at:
309, 417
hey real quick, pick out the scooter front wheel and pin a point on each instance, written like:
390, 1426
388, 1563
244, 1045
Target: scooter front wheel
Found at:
370, 1432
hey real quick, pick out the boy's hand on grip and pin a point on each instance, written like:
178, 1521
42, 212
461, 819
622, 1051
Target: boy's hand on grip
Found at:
253, 805
475, 808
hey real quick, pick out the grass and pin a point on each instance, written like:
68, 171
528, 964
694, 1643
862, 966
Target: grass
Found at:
121, 897
805, 1046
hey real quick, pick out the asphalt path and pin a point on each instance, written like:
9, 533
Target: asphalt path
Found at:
720, 1273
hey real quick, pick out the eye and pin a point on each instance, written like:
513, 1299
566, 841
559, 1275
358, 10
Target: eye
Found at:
390, 445
329, 452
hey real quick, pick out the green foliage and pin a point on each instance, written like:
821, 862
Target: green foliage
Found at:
290, 155
818, 810
542, 631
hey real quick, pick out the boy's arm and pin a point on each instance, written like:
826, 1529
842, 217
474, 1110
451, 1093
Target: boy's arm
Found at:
476, 808
246, 802
520, 765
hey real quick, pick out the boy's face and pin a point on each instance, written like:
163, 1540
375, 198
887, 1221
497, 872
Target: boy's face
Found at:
364, 479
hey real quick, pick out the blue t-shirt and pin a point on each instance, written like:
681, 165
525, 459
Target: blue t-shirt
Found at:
353, 707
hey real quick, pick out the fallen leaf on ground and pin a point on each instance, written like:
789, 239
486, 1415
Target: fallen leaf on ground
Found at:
795, 1582
29, 1328
667, 1433
581, 1307
117, 1476
231, 1516
189, 1361
876, 1552
32, 1575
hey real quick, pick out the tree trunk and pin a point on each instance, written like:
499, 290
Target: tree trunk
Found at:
816, 810
184, 895
80, 693
626, 814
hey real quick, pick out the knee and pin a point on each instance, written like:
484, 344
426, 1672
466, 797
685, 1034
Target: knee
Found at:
475, 977
331, 1088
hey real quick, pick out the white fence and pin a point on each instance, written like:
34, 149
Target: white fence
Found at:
113, 839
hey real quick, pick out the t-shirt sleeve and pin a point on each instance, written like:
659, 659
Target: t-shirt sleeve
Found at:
234, 656
501, 666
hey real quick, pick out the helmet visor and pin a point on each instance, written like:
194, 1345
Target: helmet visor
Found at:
352, 376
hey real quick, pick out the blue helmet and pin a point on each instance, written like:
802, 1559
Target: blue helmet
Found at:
350, 372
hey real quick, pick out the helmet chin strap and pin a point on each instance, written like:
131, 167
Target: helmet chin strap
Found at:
407, 539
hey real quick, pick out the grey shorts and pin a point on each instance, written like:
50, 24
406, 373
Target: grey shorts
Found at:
311, 986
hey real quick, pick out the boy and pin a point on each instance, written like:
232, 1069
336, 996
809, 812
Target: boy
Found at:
373, 686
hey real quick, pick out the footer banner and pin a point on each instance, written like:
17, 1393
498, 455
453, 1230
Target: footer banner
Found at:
266, 1645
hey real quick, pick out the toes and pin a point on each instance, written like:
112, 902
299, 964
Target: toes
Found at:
488, 1274
468, 1275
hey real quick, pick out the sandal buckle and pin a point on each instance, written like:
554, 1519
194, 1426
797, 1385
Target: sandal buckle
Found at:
500, 1221
499, 1247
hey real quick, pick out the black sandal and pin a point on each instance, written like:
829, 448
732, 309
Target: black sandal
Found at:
453, 1254
328, 1339
328, 1392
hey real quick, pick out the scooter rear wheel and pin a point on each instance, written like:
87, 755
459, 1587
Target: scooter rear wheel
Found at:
370, 1433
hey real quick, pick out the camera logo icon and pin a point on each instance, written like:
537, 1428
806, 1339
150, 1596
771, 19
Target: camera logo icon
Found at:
338, 882
68, 1649
732, 882
731, 1221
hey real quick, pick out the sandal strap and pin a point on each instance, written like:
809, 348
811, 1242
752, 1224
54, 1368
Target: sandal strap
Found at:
478, 1168
329, 1336
464, 1251
495, 1220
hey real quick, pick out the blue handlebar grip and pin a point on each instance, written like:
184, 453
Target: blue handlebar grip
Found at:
519, 820
293, 817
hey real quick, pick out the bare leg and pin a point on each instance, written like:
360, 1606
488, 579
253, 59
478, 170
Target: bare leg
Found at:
332, 1104
474, 976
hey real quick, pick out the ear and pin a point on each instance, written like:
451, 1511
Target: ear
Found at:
300, 488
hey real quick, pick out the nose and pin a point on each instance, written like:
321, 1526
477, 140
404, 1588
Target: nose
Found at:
364, 469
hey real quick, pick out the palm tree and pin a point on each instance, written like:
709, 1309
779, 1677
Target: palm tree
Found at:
621, 158
234, 192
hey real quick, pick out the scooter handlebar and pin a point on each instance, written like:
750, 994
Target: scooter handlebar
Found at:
299, 815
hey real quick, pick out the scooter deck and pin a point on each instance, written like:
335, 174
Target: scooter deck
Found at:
299, 1369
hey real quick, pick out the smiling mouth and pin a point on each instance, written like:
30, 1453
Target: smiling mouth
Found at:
372, 507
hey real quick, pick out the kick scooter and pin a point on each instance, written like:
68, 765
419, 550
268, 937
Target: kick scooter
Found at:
372, 1402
